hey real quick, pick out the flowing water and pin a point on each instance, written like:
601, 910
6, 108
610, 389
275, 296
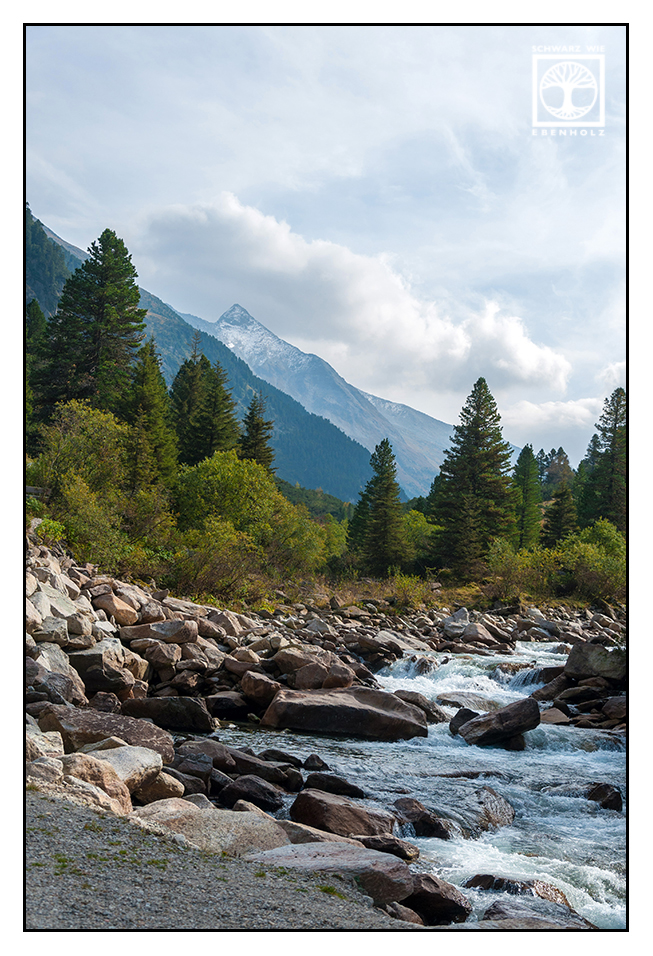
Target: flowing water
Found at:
558, 835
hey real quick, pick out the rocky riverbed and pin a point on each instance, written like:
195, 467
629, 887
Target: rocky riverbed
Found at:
142, 706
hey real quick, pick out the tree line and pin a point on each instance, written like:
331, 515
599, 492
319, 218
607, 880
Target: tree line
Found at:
170, 483
480, 509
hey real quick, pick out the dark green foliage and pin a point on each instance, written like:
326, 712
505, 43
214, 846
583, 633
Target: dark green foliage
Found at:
474, 498
91, 341
255, 441
528, 501
204, 411
554, 470
152, 446
45, 265
604, 488
318, 503
377, 529
560, 519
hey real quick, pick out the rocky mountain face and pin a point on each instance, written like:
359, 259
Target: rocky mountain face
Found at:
418, 441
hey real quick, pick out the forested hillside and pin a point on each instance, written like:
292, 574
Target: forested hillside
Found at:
308, 448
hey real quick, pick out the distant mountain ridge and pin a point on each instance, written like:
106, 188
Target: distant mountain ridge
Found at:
418, 441
309, 450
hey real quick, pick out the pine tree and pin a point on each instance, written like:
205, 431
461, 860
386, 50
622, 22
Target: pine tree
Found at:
255, 442
215, 422
604, 494
529, 497
186, 394
377, 529
92, 339
152, 447
558, 472
560, 518
475, 499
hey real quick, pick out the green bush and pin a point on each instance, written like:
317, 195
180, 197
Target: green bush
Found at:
216, 559
590, 563
92, 523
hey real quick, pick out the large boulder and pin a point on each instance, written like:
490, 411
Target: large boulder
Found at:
437, 902
82, 726
52, 658
593, 660
253, 789
135, 766
425, 822
214, 830
382, 876
338, 814
100, 773
174, 713
500, 727
354, 711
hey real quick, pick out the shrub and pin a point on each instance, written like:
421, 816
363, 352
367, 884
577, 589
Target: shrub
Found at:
410, 590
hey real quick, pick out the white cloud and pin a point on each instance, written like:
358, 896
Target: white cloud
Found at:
321, 292
613, 376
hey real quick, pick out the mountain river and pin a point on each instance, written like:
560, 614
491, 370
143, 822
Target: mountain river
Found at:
558, 835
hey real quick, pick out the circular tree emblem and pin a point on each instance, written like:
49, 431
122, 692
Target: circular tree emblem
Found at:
568, 76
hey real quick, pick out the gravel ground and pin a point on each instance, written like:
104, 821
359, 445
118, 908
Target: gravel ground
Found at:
90, 870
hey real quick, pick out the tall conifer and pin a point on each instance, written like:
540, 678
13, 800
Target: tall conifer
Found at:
255, 441
475, 498
92, 338
529, 497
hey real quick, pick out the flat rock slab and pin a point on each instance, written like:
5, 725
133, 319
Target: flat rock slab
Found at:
79, 726
384, 877
352, 711
216, 831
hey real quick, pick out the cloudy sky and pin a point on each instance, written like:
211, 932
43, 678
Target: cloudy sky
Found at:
373, 194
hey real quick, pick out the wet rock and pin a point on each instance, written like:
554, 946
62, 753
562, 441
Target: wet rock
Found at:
425, 822
228, 705
607, 796
434, 714
391, 844
461, 717
544, 911
500, 727
437, 902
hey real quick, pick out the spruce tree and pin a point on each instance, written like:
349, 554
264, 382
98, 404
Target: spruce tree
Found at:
152, 446
560, 518
475, 498
92, 338
377, 530
186, 395
215, 422
255, 441
605, 490
529, 497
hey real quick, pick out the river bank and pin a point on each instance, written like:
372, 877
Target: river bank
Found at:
319, 738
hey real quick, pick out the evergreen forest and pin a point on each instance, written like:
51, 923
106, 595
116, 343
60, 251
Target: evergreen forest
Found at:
200, 479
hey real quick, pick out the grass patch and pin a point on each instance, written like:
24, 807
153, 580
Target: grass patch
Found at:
331, 891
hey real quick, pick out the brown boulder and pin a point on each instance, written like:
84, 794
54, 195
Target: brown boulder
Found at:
499, 727
354, 711
115, 607
593, 660
101, 774
259, 688
390, 844
437, 902
253, 789
176, 713
425, 822
338, 814
82, 726
380, 875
